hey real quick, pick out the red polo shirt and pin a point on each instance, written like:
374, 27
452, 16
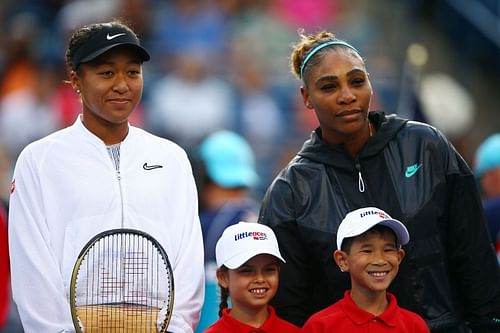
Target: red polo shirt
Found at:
273, 324
346, 316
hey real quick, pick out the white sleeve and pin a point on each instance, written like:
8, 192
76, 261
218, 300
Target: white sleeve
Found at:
188, 266
37, 284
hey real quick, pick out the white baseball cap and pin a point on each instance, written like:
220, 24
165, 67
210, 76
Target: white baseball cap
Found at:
242, 241
361, 220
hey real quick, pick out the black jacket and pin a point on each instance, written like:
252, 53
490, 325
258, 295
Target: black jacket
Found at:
449, 275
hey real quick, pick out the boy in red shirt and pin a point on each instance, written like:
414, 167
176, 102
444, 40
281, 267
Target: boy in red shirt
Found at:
369, 248
248, 261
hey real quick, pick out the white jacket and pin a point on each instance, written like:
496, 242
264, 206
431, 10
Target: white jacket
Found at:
66, 190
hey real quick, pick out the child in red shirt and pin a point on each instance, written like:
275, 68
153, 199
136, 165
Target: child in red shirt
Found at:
369, 248
248, 263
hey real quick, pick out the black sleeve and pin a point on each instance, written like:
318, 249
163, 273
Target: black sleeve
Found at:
472, 258
294, 293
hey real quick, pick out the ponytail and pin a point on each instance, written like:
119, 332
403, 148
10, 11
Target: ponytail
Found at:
224, 292
224, 296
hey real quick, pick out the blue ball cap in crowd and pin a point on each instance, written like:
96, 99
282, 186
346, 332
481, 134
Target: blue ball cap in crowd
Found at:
487, 155
229, 160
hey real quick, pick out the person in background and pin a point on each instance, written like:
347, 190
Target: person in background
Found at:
369, 248
98, 174
248, 264
487, 170
4, 270
9, 317
226, 177
204, 99
361, 158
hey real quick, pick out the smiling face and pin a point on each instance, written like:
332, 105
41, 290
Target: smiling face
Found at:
111, 87
252, 285
372, 260
339, 91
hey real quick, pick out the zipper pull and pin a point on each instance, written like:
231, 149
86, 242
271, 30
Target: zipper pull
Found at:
361, 183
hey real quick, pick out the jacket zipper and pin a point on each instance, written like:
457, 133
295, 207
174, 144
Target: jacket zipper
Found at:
116, 169
361, 183
119, 177
122, 246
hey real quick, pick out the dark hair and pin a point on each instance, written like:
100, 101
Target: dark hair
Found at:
377, 229
224, 294
81, 35
306, 44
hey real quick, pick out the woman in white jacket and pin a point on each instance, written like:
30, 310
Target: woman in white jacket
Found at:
98, 174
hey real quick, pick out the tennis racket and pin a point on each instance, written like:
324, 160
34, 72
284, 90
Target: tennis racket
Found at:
122, 282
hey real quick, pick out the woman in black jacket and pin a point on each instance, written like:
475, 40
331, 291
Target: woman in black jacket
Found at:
359, 158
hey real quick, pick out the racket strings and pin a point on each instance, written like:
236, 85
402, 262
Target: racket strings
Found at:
122, 284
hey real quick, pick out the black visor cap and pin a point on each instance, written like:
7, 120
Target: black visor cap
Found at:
105, 40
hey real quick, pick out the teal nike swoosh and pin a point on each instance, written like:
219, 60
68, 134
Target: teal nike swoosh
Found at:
412, 169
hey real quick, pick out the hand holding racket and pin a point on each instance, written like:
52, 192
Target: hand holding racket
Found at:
122, 282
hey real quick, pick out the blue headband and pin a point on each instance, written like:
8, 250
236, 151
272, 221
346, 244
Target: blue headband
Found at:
319, 47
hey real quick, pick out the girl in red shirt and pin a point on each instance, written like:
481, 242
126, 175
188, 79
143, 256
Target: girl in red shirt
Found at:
248, 263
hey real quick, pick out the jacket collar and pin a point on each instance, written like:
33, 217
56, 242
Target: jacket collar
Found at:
94, 139
335, 154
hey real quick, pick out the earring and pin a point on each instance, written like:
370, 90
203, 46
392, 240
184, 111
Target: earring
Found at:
77, 91
309, 105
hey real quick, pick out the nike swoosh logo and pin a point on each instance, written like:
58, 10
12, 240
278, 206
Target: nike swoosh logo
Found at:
412, 169
110, 37
145, 166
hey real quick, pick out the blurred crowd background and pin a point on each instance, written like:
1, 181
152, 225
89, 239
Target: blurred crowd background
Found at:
223, 64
